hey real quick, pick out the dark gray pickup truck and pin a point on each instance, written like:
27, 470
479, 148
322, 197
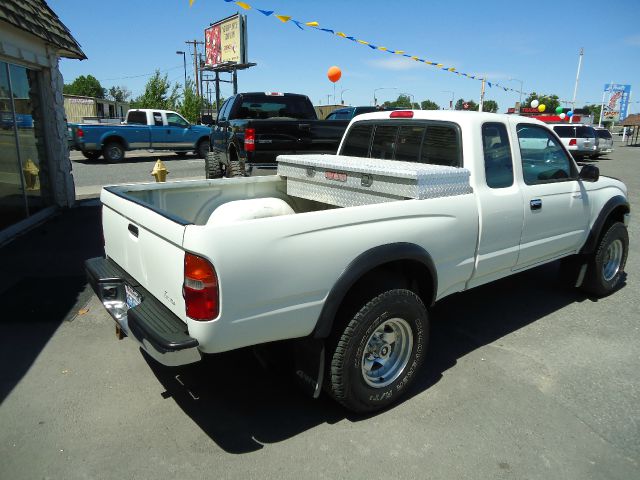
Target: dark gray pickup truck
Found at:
252, 129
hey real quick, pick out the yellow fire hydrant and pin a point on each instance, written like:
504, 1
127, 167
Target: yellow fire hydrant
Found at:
159, 171
30, 171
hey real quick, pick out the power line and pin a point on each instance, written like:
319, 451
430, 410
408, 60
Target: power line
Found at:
141, 75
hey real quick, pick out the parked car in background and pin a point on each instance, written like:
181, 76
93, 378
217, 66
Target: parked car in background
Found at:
143, 129
580, 140
605, 141
348, 113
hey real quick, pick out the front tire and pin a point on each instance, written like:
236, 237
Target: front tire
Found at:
605, 271
202, 149
212, 166
376, 357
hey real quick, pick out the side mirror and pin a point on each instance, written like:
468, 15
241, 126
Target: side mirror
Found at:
590, 173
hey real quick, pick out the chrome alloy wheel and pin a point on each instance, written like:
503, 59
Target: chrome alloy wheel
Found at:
612, 260
387, 352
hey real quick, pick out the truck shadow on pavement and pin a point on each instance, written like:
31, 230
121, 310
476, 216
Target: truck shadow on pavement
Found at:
243, 403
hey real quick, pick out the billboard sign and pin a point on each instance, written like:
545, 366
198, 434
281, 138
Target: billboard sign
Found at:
225, 41
616, 106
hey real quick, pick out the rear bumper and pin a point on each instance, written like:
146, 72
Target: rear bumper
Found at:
150, 324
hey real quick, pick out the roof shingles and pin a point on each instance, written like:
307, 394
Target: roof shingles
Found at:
36, 18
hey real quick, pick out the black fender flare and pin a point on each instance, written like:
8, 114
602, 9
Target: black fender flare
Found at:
596, 232
363, 264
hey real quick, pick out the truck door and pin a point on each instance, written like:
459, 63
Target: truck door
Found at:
499, 206
179, 134
556, 205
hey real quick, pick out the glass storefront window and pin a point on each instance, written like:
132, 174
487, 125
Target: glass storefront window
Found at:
20, 164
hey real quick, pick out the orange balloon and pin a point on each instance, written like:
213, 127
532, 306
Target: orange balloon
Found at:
334, 73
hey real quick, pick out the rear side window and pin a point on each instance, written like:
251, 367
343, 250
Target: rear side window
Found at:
137, 118
603, 134
498, 165
357, 142
157, 119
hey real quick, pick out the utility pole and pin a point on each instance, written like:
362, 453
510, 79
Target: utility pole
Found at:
575, 89
195, 44
481, 95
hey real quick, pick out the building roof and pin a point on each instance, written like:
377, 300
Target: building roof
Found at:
632, 120
35, 17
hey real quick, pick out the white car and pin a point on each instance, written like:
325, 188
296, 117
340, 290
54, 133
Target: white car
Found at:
605, 141
581, 140
344, 255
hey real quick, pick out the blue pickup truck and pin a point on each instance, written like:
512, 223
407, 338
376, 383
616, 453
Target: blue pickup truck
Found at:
144, 129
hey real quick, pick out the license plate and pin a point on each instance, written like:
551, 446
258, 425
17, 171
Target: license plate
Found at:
133, 297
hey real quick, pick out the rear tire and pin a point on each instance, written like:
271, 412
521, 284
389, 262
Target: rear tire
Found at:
113, 152
93, 156
605, 271
212, 165
377, 355
234, 169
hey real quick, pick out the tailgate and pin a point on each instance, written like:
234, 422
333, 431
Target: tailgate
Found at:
280, 135
147, 245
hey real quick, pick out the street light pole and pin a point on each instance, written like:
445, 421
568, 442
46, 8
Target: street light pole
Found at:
375, 100
411, 100
450, 101
184, 61
341, 92
521, 87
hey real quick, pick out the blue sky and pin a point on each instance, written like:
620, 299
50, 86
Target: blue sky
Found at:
536, 42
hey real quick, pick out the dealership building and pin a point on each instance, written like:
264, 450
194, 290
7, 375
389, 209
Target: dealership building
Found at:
35, 170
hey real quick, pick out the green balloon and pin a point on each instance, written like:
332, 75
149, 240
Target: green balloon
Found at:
559, 109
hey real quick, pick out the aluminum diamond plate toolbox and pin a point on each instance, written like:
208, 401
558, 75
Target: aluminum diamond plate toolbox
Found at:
350, 181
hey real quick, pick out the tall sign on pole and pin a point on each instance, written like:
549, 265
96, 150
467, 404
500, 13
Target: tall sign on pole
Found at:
225, 42
616, 107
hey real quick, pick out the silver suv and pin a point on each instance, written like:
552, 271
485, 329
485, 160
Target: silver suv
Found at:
605, 141
580, 140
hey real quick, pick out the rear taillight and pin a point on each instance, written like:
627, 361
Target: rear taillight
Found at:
401, 114
200, 289
573, 142
250, 140
79, 133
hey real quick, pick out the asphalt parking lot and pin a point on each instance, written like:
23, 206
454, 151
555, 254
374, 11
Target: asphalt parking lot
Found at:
524, 379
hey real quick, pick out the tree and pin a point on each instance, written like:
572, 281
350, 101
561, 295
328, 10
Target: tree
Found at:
471, 104
429, 105
403, 101
88, 86
549, 101
192, 105
490, 106
119, 94
158, 93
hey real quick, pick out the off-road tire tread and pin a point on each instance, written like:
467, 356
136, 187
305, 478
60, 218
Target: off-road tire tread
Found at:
212, 166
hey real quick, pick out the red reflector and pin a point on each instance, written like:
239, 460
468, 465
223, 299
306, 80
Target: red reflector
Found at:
573, 142
79, 133
250, 139
200, 288
401, 114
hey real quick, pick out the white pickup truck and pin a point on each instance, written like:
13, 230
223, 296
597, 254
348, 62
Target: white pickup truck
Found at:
345, 254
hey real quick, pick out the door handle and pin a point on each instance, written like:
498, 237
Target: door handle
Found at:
535, 204
133, 229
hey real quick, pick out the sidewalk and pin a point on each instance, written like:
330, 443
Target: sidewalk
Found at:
42, 272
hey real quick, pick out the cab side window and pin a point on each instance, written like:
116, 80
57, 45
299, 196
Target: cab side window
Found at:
224, 111
498, 165
543, 158
175, 120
